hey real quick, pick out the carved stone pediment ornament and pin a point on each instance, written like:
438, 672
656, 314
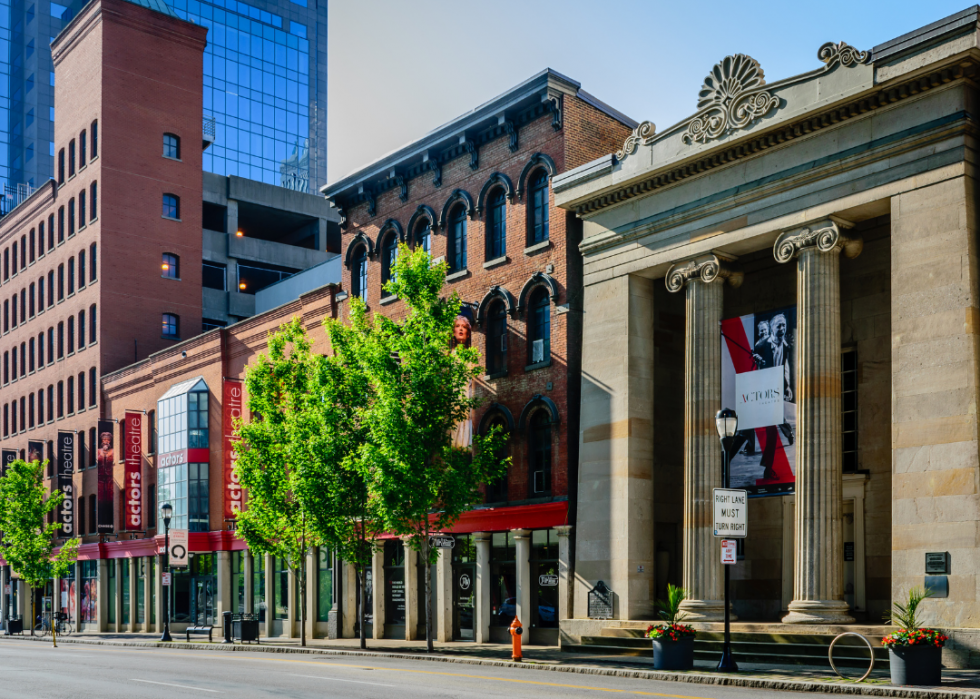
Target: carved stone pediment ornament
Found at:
707, 268
640, 134
843, 53
825, 236
732, 97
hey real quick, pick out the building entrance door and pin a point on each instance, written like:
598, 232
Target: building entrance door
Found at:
464, 588
203, 612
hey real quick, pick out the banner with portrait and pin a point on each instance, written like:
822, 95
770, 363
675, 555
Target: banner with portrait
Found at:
104, 458
758, 377
35, 451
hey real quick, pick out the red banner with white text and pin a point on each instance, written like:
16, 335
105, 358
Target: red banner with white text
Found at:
133, 478
231, 410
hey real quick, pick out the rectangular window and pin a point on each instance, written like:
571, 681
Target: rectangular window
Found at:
280, 580
81, 329
71, 276
61, 282
81, 269
95, 140
81, 209
125, 588
238, 582
71, 217
71, 395
324, 584
61, 225
94, 196
111, 602
71, 159
91, 387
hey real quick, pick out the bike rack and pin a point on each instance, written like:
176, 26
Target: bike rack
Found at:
830, 655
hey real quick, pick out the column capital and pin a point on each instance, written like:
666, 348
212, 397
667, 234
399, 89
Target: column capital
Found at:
521, 533
564, 530
710, 267
481, 536
828, 235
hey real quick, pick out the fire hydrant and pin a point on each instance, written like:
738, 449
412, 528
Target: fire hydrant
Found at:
515, 635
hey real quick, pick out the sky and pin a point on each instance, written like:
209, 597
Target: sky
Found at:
400, 68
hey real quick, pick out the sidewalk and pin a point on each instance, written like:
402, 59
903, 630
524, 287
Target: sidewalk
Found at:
956, 683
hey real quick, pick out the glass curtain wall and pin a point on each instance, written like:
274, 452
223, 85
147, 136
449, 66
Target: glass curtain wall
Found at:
238, 581
258, 585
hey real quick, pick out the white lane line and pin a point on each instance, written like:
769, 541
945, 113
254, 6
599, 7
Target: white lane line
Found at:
337, 679
182, 686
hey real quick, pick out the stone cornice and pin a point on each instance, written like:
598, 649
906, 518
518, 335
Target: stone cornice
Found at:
706, 268
776, 137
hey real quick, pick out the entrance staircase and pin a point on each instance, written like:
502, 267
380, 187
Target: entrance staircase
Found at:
763, 644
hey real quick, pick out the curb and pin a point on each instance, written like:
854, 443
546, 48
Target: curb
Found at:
716, 680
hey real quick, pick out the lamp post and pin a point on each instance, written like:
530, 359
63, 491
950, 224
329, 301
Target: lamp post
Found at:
166, 511
727, 423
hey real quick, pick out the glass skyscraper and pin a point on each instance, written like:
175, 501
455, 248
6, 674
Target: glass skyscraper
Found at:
265, 83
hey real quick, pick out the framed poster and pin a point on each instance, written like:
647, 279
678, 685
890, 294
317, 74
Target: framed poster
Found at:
758, 379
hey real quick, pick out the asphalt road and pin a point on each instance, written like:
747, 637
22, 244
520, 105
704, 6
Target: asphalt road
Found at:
38, 671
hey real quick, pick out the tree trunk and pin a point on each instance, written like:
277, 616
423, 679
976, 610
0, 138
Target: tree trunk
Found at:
54, 629
362, 577
428, 589
302, 614
33, 609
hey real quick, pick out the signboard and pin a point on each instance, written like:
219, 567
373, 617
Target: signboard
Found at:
442, 542
231, 410
548, 580
166, 579
178, 548
848, 550
937, 563
728, 551
600, 602
7, 457
104, 458
133, 474
183, 456
731, 514
66, 468
758, 381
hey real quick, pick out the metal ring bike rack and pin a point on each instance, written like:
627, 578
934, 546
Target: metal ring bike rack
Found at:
830, 655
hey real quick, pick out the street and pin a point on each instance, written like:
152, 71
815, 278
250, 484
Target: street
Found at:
36, 671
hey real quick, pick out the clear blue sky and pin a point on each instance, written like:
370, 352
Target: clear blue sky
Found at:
400, 68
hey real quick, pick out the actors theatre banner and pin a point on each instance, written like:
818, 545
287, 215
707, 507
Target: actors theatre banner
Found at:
105, 457
231, 410
758, 378
66, 468
133, 474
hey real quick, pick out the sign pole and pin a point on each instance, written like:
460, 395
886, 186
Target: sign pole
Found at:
166, 638
727, 662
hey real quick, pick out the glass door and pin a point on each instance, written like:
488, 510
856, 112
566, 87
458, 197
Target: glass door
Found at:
204, 601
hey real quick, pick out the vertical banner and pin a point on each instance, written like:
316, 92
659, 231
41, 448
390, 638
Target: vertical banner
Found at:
105, 456
7, 457
35, 451
758, 381
66, 468
133, 478
231, 410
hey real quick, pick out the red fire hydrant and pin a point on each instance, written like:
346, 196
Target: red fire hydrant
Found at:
515, 635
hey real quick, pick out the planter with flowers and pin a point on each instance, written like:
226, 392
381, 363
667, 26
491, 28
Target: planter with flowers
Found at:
673, 642
914, 653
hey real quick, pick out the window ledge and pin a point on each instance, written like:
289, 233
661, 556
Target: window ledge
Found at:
496, 262
538, 247
538, 365
174, 279
388, 299
170, 157
461, 274
171, 218
170, 337
496, 375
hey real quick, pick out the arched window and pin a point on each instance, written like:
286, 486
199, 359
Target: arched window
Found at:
171, 206
539, 446
81, 329
71, 334
497, 224
30, 355
40, 350
61, 339
50, 345
71, 276
71, 158
94, 200
171, 146
81, 209
95, 138
389, 253
61, 166
91, 324
61, 282
539, 326
51, 232
61, 224
170, 266
496, 338
497, 491
537, 219
33, 237
71, 217
82, 145
61, 399
358, 273
171, 326
91, 388
81, 268
423, 235
91, 253
50, 288
30, 301
81, 406
457, 239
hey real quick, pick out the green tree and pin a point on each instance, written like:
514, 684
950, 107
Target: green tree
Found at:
271, 452
28, 541
420, 481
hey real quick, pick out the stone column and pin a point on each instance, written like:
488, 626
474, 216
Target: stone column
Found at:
565, 574
348, 589
225, 598
102, 600
522, 573
312, 586
411, 593
270, 596
818, 570
481, 621
443, 616
292, 605
378, 593
702, 279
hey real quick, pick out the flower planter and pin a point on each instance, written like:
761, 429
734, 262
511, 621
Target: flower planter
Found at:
919, 664
673, 655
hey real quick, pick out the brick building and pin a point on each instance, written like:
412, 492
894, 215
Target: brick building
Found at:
476, 192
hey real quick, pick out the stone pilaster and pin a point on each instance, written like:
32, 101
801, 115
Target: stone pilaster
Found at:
818, 569
412, 593
702, 280
565, 578
481, 626
522, 571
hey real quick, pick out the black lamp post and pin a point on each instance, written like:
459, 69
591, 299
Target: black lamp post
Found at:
727, 423
166, 511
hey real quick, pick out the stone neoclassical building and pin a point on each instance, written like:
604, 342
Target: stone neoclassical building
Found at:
822, 228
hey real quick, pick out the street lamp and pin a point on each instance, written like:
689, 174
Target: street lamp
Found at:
166, 511
726, 420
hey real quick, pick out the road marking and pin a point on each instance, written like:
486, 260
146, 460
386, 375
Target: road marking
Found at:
182, 686
337, 679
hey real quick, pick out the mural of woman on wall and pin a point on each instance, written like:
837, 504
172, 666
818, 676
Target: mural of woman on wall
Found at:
463, 335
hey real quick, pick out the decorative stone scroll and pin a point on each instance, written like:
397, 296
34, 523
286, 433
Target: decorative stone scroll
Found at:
642, 132
825, 236
843, 53
732, 97
707, 268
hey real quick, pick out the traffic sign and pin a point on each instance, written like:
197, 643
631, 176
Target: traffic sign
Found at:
728, 549
178, 548
442, 542
731, 514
